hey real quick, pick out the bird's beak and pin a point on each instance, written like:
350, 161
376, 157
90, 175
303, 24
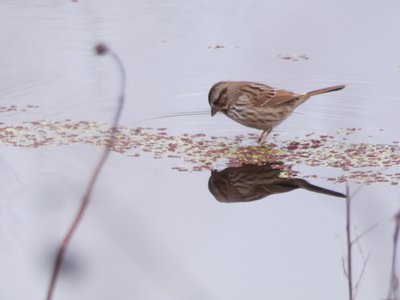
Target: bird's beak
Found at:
213, 111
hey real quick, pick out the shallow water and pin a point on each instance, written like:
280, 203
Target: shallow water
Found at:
154, 229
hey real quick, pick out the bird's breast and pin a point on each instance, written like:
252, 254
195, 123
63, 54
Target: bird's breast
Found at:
257, 117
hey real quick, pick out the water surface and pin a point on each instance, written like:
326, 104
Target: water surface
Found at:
154, 230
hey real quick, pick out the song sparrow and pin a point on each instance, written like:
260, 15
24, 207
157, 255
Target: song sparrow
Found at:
257, 105
252, 182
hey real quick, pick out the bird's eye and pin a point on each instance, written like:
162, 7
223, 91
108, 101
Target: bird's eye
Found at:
218, 102
221, 97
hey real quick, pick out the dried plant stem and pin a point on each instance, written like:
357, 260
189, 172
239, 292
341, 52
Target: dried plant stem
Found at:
353, 289
101, 50
361, 275
368, 230
349, 244
394, 279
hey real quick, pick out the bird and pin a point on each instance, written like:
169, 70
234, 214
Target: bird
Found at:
253, 182
257, 105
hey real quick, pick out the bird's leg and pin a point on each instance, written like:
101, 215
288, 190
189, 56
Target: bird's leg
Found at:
263, 136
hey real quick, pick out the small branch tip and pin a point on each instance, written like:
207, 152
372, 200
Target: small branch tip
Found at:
101, 49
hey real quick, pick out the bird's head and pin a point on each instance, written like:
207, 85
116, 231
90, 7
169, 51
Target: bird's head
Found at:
217, 97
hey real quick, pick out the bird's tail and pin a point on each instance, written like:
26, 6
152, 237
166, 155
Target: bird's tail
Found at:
317, 189
325, 90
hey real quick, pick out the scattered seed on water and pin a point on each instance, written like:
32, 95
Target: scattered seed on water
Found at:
357, 161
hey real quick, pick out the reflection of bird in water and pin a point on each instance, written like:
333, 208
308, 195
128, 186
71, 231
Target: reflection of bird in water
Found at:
251, 182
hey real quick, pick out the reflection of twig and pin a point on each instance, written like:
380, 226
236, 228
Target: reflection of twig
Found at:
348, 235
100, 50
394, 279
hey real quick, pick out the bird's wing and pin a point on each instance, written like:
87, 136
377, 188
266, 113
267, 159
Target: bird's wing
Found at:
262, 95
282, 97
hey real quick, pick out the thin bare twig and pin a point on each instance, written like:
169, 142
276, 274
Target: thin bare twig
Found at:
361, 275
394, 279
100, 49
368, 230
348, 271
365, 259
356, 191
344, 268
348, 235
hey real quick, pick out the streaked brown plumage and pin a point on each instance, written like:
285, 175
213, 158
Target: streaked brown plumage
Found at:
252, 182
257, 105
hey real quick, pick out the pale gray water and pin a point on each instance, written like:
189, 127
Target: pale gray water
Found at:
154, 233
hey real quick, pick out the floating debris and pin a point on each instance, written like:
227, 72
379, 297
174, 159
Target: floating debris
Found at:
357, 162
215, 47
293, 57
14, 108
